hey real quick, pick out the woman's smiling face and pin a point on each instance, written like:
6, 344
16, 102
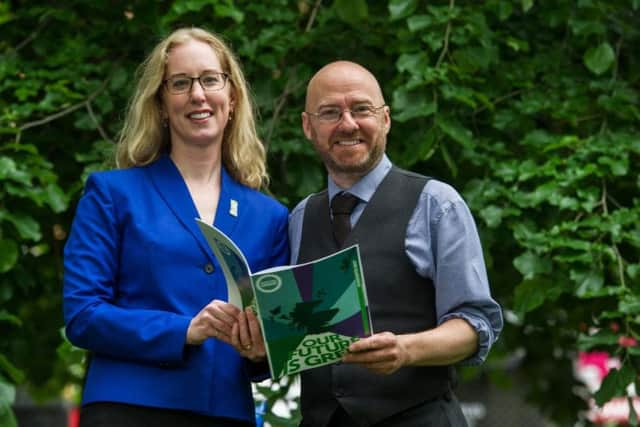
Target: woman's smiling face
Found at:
196, 116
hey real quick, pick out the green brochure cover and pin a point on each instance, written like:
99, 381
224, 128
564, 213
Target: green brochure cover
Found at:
309, 313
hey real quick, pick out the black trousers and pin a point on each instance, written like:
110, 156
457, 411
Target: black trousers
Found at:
107, 414
440, 412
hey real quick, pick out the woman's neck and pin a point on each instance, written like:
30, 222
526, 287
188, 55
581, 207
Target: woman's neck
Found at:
202, 175
198, 167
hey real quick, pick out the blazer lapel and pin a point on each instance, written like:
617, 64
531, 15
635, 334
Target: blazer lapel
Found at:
172, 189
231, 204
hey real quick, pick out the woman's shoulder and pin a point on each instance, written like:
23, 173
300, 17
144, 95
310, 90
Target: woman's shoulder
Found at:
115, 175
115, 180
257, 198
265, 201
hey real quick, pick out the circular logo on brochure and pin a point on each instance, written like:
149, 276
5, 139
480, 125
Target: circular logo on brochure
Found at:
269, 283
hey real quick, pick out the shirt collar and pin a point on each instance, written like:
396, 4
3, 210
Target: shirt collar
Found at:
366, 186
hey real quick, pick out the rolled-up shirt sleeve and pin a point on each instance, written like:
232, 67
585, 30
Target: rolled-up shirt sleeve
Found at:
443, 244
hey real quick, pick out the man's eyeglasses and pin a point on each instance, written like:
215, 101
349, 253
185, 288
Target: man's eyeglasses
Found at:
210, 81
334, 114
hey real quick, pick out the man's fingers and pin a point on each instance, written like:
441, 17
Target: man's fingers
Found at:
374, 356
374, 342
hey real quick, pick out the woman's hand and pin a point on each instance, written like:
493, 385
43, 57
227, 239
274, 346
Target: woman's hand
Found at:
215, 320
227, 323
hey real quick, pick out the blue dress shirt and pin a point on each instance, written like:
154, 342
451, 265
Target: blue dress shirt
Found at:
443, 244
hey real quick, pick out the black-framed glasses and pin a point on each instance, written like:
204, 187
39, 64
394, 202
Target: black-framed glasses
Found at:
334, 114
209, 81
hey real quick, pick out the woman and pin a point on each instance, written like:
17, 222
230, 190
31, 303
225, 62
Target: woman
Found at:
142, 289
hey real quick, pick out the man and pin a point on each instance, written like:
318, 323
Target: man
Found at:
426, 280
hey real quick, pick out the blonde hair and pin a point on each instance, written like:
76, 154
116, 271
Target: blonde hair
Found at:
144, 138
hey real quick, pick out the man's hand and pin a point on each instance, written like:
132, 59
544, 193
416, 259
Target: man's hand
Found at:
382, 353
386, 352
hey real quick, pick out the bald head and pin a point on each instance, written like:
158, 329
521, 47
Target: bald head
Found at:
341, 74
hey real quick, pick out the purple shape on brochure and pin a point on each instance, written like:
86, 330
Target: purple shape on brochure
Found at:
351, 326
304, 278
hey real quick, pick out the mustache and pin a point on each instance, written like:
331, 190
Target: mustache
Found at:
347, 135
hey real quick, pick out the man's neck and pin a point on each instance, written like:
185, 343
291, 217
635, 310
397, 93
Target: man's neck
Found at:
346, 180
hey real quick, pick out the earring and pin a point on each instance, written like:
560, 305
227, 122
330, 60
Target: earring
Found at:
230, 116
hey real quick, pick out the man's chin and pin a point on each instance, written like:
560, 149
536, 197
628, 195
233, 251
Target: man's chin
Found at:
352, 168
356, 164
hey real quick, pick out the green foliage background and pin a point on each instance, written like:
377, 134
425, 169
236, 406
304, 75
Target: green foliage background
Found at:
530, 108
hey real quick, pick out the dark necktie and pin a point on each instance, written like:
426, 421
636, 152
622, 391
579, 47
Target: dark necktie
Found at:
342, 205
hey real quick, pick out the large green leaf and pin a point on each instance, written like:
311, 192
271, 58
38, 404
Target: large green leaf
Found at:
7, 393
615, 384
528, 296
401, 8
455, 130
588, 283
6, 367
5, 316
603, 338
630, 304
633, 415
7, 418
56, 198
414, 63
351, 10
8, 254
599, 59
492, 215
10, 170
530, 264
419, 22
27, 227
411, 104
229, 10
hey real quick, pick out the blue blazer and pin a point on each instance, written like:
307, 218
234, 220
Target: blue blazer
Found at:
137, 269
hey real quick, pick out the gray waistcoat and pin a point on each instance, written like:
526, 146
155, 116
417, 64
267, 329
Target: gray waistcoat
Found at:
399, 299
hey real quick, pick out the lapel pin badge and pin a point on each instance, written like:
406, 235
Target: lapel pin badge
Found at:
233, 207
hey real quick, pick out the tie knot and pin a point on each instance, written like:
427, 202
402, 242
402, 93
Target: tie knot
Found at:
343, 203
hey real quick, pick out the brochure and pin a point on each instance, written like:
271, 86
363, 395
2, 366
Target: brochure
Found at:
309, 313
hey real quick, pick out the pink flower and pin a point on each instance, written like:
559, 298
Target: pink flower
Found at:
625, 341
615, 411
597, 359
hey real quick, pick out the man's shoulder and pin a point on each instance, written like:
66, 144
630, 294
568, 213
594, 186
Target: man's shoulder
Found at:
441, 191
433, 189
432, 185
410, 174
